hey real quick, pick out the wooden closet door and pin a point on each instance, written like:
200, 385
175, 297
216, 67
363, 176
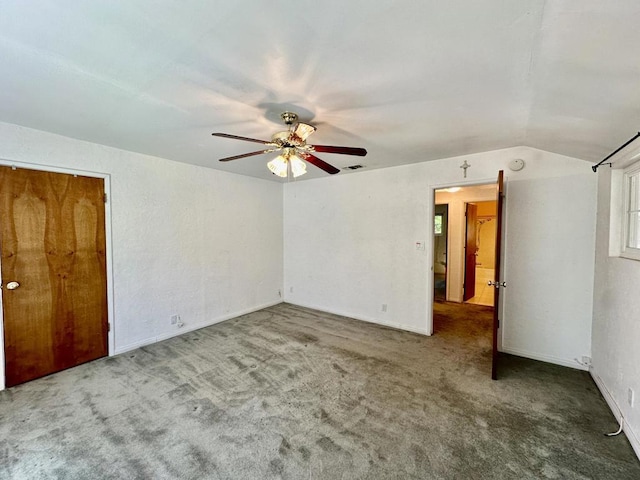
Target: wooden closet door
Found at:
52, 240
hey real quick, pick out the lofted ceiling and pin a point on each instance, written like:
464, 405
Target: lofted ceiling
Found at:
408, 80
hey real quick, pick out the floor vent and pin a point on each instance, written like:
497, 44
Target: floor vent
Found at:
353, 167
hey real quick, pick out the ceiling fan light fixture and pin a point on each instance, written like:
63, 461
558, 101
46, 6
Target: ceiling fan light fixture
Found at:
298, 167
278, 166
303, 130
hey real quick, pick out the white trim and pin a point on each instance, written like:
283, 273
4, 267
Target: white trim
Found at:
191, 328
394, 325
52, 168
108, 245
109, 266
634, 439
631, 253
622, 162
544, 358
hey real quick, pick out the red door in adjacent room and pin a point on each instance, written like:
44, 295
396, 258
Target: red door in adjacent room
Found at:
470, 251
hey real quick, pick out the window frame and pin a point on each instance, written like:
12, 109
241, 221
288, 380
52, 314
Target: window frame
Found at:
626, 251
435, 224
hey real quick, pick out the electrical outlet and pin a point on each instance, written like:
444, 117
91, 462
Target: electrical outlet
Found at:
631, 396
175, 319
384, 307
586, 360
290, 289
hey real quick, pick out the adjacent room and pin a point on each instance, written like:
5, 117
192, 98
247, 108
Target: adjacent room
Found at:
322, 240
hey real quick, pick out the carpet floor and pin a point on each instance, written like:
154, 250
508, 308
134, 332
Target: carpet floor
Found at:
293, 393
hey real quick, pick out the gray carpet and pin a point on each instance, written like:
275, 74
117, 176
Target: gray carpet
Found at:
293, 393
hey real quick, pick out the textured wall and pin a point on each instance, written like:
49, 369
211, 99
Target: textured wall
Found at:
192, 241
616, 320
350, 247
550, 255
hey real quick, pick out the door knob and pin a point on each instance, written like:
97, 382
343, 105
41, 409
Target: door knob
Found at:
12, 285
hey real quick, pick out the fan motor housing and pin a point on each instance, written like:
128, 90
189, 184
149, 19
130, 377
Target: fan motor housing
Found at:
281, 138
289, 117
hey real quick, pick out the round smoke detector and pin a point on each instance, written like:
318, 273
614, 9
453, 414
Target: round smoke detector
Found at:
516, 164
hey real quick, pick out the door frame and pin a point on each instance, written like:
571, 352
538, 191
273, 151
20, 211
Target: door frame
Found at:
109, 263
431, 205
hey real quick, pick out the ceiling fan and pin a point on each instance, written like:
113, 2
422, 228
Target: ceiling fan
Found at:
293, 146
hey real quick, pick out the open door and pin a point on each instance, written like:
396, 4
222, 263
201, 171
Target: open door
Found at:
496, 283
470, 251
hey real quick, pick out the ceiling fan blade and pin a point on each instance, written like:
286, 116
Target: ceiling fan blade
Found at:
361, 152
313, 160
236, 157
236, 137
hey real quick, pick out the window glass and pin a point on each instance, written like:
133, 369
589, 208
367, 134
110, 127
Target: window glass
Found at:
632, 217
437, 224
634, 197
634, 228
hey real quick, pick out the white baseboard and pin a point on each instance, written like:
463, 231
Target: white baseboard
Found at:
634, 440
545, 358
190, 328
397, 326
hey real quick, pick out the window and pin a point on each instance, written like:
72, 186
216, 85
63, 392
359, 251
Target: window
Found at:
631, 221
437, 224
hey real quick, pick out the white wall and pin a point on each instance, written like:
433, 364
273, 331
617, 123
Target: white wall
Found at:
186, 240
350, 247
616, 321
550, 253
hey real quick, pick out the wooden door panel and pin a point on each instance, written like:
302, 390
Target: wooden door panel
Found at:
87, 261
497, 279
53, 243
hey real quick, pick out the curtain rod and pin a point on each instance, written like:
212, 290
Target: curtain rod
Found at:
595, 167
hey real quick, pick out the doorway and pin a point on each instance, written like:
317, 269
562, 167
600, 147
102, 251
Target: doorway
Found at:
466, 312
464, 244
54, 295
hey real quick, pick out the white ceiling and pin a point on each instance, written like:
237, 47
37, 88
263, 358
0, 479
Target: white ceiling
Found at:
408, 80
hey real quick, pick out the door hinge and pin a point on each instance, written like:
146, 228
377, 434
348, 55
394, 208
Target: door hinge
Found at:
108, 327
498, 323
105, 198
